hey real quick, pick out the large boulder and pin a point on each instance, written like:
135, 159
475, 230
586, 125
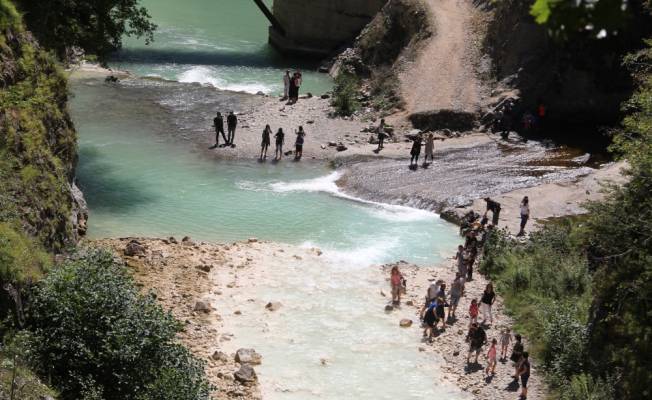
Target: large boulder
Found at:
245, 374
134, 249
248, 356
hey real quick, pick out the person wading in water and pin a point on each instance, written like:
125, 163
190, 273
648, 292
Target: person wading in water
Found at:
280, 139
231, 123
265, 142
218, 124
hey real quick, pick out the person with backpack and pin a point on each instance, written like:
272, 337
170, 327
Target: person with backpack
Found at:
476, 338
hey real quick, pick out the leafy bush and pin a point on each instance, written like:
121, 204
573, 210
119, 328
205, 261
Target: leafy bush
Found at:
345, 94
585, 387
566, 334
97, 337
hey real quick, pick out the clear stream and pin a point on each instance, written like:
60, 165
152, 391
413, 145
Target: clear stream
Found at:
143, 177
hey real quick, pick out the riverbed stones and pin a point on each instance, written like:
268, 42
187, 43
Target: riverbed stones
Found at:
245, 374
220, 356
134, 249
202, 306
273, 306
389, 308
248, 356
405, 323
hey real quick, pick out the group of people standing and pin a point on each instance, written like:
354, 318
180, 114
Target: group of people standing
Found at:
218, 124
279, 139
291, 85
415, 151
433, 313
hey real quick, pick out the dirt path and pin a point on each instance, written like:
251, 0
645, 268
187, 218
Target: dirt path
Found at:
443, 76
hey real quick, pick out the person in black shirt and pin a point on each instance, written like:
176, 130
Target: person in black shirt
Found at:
487, 300
416, 150
264, 144
218, 123
524, 373
494, 207
231, 123
280, 138
477, 338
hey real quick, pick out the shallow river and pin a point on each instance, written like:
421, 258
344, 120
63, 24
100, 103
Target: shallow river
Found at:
143, 176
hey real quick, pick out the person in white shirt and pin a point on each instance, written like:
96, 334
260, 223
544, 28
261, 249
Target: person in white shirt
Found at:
525, 214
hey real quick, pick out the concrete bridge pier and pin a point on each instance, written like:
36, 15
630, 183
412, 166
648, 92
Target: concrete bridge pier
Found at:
317, 27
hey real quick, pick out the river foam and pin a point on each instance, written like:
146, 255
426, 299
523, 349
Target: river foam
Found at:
211, 76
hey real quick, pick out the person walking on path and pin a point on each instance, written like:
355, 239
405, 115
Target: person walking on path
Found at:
430, 146
525, 215
218, 124
461, 264
286, 85
517, 354
455, 295
381, 135
231, 124
488, 298
491, 358
505, 340
416, 150
476, 338
473, 311
265, 142
396, 281
494, 207
298, 144
524, 374
280, 139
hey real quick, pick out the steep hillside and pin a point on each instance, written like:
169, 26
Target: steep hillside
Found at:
37, 141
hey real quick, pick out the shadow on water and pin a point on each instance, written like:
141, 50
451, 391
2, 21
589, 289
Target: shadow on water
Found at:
104, 189
263, 59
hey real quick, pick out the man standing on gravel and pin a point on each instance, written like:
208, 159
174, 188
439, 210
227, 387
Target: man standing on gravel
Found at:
477, 338
218, 123
231, 122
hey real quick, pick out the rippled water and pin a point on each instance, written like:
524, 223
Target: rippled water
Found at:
141, 177
218, 42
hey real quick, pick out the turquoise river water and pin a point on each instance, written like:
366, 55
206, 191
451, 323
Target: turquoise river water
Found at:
218, 42
142, 176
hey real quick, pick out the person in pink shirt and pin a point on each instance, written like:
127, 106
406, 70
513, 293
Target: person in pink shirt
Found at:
474, 310
396, 280
491, 358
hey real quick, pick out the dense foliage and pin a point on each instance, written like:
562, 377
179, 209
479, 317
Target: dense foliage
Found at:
96, 337
345, 93
96, 26
582, 290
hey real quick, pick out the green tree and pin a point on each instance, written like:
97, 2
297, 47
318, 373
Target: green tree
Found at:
620, 243
97, 26
566, 18
96, 337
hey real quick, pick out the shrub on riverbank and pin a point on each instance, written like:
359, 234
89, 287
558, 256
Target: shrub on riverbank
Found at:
345, 94
96, 337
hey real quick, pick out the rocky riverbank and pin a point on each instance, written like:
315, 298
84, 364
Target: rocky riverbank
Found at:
450, 345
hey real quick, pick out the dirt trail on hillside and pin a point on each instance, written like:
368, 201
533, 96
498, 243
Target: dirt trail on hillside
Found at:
443, 75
